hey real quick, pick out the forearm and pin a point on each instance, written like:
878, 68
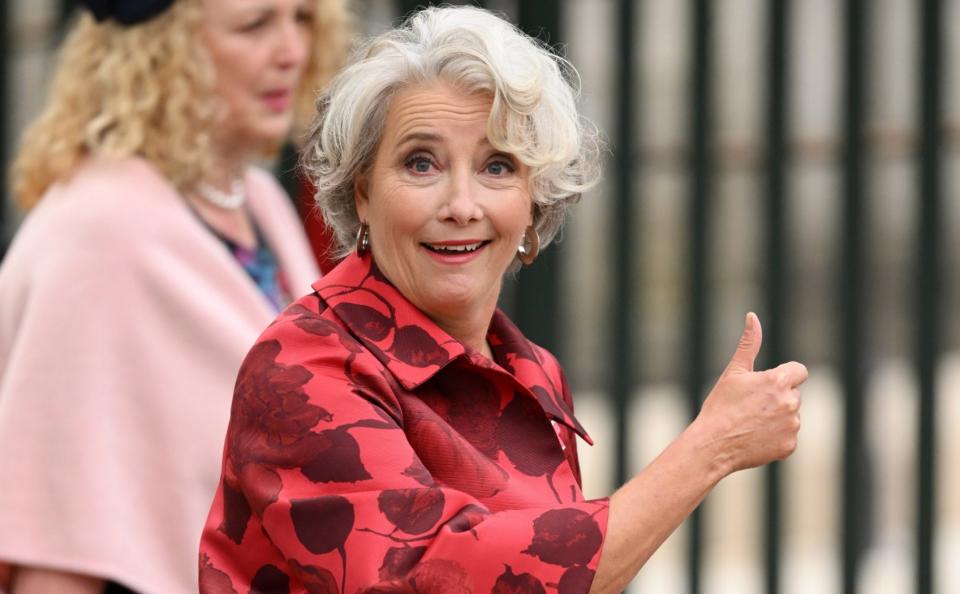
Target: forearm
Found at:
647, 509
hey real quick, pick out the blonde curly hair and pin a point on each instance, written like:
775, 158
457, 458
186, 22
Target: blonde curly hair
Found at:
148, 90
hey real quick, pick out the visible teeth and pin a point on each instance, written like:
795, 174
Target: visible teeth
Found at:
455, 248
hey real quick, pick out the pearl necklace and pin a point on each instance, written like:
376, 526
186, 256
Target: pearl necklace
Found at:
231, 200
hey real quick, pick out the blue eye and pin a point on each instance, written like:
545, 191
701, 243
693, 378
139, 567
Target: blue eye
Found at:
419, 164
499, 168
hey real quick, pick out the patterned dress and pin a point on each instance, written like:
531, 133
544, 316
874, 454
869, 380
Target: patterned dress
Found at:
368, 451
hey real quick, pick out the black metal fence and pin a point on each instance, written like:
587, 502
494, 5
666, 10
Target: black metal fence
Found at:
536, 306
535, 302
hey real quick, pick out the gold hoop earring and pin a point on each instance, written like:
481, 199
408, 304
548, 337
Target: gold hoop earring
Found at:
530, 248
363, 239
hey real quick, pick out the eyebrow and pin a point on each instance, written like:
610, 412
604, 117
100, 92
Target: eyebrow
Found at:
419, 136
432, 137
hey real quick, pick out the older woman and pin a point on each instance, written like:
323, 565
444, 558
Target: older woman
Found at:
394, 431
153, 255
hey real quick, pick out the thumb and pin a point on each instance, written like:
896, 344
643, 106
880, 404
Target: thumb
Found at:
748, 347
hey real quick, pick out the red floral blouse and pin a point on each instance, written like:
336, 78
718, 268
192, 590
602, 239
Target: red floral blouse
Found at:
368, 451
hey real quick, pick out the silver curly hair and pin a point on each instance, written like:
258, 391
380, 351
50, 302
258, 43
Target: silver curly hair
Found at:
533, 116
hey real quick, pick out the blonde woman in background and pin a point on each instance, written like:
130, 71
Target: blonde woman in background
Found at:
153, 255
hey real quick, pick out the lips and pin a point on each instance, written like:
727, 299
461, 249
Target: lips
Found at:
455, 248
278, 100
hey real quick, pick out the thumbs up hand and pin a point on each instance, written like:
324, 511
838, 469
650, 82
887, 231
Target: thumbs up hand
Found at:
752, 417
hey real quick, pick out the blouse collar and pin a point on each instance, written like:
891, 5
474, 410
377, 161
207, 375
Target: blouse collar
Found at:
414, 349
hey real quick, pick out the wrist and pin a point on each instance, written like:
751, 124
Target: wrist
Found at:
706, 449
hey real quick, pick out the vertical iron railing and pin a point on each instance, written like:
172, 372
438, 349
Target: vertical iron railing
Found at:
701, 176
623, 247
852, 277
537, 296
776, 253
928, 308
67, 8
405, 7
536, 307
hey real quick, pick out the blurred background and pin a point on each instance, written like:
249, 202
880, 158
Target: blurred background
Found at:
800, 159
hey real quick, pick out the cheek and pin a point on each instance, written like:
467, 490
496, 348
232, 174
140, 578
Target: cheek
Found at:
399, 209
236, 71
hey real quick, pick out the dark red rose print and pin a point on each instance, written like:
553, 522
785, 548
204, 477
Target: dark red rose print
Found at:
414, 346
298, 310
510, 344
508, 583
270, 580
212, 580
236, 514
270, 408
322, 523
565, 537
366, 321
547, 402
471, 404
576, 580
260, 484
414, 511
399, 560
271, 421
440, 575
324, 327
334, 456
527, 437
316, 580
418, 472
450, 460
465, 519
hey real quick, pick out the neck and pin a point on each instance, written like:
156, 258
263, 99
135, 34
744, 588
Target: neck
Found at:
226, 168
470, 329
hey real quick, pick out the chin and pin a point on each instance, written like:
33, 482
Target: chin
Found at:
269, 142
273, 128
456, 299
275, 134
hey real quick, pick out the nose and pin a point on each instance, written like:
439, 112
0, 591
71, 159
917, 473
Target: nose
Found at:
291, 49
461, 206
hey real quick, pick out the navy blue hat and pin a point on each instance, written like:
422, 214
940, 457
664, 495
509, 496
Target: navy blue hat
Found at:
126, 12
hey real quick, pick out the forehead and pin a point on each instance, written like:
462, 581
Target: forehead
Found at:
436, 106
228, 7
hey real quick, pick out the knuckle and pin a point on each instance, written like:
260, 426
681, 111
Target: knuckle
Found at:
782, 380
799, 372
776, 377
793, 403
791, 447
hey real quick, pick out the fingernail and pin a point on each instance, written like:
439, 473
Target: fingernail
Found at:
748, 323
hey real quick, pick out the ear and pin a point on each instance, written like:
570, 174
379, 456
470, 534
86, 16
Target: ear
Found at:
361, 197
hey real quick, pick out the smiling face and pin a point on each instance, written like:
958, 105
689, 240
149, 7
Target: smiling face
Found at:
446, 209
259, 50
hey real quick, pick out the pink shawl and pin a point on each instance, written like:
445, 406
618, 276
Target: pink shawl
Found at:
123, 322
